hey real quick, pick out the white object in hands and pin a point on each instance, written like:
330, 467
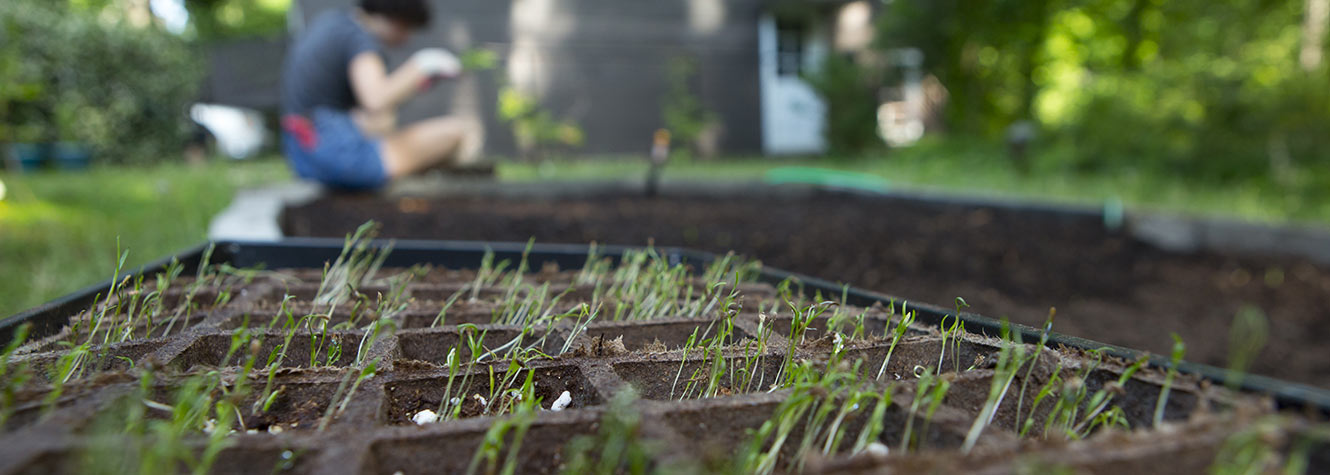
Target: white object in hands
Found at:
424, 417
562, 402
437, 62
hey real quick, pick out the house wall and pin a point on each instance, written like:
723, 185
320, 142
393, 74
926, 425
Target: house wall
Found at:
601, 63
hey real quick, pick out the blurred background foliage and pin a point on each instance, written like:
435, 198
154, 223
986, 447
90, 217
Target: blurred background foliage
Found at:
1220, 91
97, 79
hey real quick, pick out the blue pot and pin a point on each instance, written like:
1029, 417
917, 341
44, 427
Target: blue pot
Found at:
28, 156
71, 155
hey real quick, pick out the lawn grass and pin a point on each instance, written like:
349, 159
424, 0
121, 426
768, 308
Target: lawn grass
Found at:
58, 231
982, 170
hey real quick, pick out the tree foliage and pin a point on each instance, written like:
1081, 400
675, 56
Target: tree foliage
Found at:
1210, 89
122, 89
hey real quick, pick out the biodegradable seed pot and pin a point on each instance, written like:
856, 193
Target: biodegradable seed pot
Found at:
541, 360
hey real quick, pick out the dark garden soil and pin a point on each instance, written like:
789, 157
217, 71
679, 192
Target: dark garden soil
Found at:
376, 430
1105, 285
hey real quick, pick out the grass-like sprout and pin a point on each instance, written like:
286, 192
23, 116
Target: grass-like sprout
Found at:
356, 265
1010, 360
342, 397
146, 436
1038, 350
1246, 338
907, 318
931, 389
523, 415
1070, 396
616, 447
1179, 350
13, 378
1254, 449
450, 407
1049, 388
448, 304
1101, 413
802, 319
821, 402
69, 366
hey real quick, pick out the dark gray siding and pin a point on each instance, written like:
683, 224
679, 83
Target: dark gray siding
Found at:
607, 71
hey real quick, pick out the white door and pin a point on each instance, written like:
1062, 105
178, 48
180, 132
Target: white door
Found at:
793, 116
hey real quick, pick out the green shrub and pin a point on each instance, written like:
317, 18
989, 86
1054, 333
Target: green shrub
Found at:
681, 110
120, 89
851, 102
534, 128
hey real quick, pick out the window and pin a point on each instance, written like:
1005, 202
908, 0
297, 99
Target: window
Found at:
789, 48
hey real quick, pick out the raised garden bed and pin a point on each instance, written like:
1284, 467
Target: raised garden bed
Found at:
1005, 260
710, 366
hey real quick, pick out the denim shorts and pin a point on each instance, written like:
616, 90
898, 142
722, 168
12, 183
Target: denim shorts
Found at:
327, 147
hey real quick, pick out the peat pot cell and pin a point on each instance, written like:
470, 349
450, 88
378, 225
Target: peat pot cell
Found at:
113, 357
433, 345
117, 327
873, 327
296, 406
644, 336
232, 460
1140, 397
923, 353
170, 302
438, 295
970, 392
307, 293
211, 350
406, 398
719, 431
68, 413
672, 380
424, 316
345, 315
541, 451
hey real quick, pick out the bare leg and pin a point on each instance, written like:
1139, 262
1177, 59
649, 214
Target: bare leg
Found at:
431, 142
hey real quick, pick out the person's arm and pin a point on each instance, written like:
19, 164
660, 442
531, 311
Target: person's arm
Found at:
380, 92
375, 89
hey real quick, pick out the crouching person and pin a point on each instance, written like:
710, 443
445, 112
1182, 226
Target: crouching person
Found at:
340, 101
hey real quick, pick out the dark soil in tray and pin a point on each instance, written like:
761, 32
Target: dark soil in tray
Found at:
381, 426
1106, 286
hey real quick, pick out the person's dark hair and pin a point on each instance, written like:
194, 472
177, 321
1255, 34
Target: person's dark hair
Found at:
414, 13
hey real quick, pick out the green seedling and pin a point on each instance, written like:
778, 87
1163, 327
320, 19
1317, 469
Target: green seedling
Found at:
443, 312
1253, 450
1100, 413
931, 389
1048, 389
1246, 338
517, 423
907, 318
1179, 350
1010, 360
14, 378
1025, 382
342, 397
617, 446
821, 401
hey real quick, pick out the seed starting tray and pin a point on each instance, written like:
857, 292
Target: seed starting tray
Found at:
378, 429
